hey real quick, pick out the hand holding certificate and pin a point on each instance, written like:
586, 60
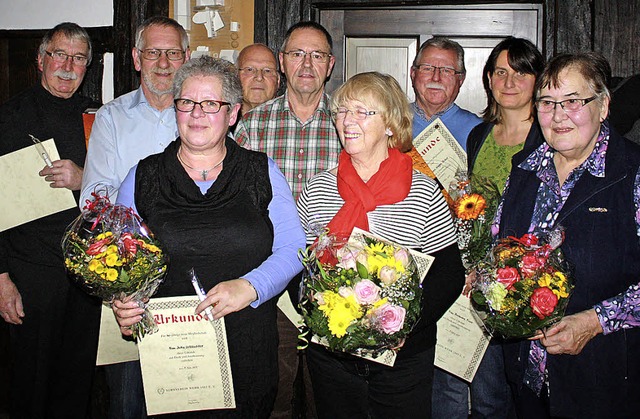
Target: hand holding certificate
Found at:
185, 365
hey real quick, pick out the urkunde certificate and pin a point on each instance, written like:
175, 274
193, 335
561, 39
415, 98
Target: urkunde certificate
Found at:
185, 364
462, 340
441, 152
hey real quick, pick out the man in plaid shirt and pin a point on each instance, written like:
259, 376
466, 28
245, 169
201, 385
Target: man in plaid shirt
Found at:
297, 132
295, 129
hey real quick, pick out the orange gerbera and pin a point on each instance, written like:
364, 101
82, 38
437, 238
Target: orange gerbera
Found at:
470, 207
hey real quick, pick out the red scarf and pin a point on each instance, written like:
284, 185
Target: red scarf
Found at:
389, 185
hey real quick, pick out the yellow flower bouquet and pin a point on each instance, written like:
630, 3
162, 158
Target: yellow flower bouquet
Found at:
111, 254
362, 296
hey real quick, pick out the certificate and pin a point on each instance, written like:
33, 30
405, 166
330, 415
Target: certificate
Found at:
24, 194
441, 152
113, 348
185, 364
462, 340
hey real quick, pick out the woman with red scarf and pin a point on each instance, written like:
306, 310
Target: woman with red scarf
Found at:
375, 188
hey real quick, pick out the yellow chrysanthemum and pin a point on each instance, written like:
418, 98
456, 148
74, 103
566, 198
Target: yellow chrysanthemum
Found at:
559, 278
111, 249
112, 274
560, 292
104, 235
112, 259
94, 264
544, 280
470, 207
151, 247
338, 324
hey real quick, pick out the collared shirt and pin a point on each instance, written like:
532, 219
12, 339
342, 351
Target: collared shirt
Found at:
623, 310
125, 130
300, 148
458, 121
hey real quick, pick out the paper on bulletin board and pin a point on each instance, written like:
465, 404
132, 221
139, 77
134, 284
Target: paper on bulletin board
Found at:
24, 194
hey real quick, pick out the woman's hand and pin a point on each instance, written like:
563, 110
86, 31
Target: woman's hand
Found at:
228, 297
572, 333
469, 279
128, 313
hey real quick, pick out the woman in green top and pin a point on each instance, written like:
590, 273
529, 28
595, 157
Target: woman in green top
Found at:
509, 126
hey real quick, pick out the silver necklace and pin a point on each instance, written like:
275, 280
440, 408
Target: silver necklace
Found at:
203, 172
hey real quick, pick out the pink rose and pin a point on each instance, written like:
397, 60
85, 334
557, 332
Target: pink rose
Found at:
402, 256
531, 263
347, 258
366, 292
507, 276
388, 275
390, 318
543, 302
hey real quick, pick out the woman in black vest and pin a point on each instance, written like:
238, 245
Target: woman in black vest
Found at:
585, 178
227, 212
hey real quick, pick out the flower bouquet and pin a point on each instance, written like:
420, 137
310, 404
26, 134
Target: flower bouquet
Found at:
111, 254
475, 202
523, 285
361, 296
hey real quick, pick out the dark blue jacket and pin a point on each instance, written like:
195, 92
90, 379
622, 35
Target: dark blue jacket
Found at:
602, 245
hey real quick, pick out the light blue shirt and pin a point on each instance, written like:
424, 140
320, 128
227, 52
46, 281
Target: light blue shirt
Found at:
272, 276
125, 131
458, 121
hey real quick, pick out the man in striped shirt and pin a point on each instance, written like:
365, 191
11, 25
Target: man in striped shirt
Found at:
297, 132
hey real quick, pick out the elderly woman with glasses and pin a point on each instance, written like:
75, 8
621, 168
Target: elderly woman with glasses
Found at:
228, 213
584, 178
375, 188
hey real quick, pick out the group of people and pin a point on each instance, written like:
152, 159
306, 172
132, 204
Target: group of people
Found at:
233, 181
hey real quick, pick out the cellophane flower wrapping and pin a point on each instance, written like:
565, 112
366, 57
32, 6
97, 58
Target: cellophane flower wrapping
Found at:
523, 285
360, 296
475, 202
111, 254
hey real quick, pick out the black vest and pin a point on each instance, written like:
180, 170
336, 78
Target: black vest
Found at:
223, 234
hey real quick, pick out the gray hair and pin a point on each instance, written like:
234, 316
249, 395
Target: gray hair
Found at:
69, 30
447, 44
161, 21
206, 66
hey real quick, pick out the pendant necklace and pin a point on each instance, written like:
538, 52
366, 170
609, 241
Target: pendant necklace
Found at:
203, 172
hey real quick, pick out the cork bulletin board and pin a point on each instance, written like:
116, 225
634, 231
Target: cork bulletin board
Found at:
237, 32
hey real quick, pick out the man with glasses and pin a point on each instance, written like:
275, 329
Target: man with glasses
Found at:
53, 325
296, 131
259, 76
126, 130
142, 122
437, 74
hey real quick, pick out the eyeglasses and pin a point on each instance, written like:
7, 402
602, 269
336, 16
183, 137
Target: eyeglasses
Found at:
359, 114
207, 106
265, 72
154, 54
430, 70
568, 105
299, 55
60, 57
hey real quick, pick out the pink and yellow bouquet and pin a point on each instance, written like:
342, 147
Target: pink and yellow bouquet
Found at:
523, 285
362, 296
111, 254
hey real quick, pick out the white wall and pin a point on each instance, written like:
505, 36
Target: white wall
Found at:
45, 14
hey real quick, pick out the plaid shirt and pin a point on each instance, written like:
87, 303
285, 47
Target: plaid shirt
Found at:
301, 149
